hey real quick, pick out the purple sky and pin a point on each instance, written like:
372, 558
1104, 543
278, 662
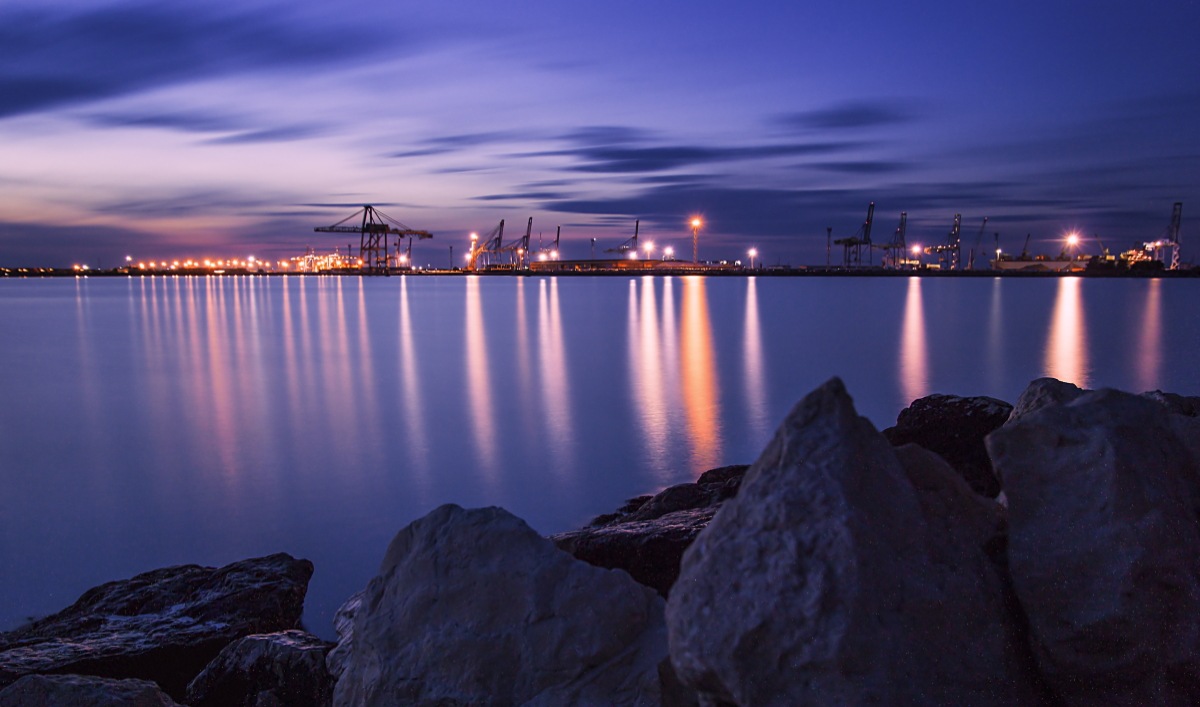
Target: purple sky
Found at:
226, 129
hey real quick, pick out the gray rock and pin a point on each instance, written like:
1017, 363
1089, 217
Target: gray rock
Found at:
343, 624
842, 575
287, 667
1189, 406
1042, 392
1102, 548
82, 691
649, 550
472, 607
954, 427
164, 625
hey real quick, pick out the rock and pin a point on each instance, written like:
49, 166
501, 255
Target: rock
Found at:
164, 625
1178, 404
1102, 548
647, 536
343, 624
472, 607
954, 428
82, 691
843, 575
288, 667
650, 551
1040, 393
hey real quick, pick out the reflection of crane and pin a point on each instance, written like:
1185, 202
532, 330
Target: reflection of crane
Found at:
631, 245
373, 230
950, 252
852, 247
978, 242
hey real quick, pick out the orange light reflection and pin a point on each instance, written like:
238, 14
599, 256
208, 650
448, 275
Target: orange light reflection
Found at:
1066, 342
914, 362
699, 377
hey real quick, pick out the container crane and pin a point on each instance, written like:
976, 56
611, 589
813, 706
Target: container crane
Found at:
950, 252
895, 253
374, 229
484, 250
852, 248
631, 245
978, 243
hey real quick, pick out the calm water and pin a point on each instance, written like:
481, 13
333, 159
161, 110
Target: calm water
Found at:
157, 421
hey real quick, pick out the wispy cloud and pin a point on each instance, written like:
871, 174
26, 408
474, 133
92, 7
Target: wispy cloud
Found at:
57, 56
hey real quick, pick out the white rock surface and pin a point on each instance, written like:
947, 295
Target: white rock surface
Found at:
473, 607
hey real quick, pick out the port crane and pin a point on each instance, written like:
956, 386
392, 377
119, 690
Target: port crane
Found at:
488, 251
373, 230
950, 252
852, 248
978, 242
631, 245
895, 253
551, 252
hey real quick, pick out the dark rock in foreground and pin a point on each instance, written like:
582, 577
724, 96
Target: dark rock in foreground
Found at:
848, 573
647, 536
285, 669
954, 429
164, 625
649, 550
1103, 546
473, 607
82, 691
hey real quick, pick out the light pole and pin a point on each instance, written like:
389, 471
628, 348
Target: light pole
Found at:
649, 247
916, 251
753, 252
696, 241
668, 253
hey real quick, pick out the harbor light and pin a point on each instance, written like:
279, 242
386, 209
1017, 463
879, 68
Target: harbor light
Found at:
916, 250
129, 258
633, 255
649, 247
753, 252
696, 223
1072, 240
554, 255
668, 252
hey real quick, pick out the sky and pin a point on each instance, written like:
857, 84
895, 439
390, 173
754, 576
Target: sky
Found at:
225, 129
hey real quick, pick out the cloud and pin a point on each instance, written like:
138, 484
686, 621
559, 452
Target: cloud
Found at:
622, 159
53, 56
280, 134
192, 122
200, 203
456, 143
879, 167
857, 114
535, 195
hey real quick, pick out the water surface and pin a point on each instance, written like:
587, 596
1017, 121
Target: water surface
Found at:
157, 421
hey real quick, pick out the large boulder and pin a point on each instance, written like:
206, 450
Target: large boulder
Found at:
164, 625
1186, 405
473, 607
1041, 393
285, 668
843, 575
954, 428
82, 691
1102, 548
647, 536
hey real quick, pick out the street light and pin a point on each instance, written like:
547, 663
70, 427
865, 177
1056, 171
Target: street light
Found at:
753, 252
696, 223
649, 247
668, 252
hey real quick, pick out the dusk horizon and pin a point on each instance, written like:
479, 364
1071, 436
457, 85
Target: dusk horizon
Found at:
161, 132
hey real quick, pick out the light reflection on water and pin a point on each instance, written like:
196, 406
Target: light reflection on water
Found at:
157, 421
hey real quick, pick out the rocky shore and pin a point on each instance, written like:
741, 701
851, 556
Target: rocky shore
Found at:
1042, 553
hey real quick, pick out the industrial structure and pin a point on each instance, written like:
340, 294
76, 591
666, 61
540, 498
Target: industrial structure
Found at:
373, 229
853, 247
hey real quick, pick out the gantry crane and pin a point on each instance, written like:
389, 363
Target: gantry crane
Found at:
484, 250
895, 253
852, 248
950, 252
978, 243
631, 245
374, 229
